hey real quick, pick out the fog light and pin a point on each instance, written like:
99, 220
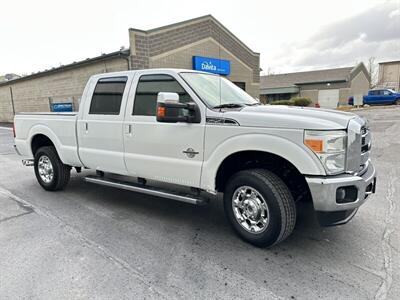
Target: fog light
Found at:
340, 194
346, 194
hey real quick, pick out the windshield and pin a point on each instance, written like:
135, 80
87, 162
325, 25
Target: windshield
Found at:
217, 91
392, 91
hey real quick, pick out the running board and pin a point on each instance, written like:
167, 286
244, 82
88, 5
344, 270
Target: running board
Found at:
148, 190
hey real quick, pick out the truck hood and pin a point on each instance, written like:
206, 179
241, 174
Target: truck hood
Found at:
280, 116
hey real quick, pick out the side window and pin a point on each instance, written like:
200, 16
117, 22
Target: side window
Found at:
385, 92
148, 88
107, 96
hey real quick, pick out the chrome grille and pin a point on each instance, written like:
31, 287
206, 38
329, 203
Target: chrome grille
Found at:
365, 148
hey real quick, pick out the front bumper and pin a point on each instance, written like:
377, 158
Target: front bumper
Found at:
324, 194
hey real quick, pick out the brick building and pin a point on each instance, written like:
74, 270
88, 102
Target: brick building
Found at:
172, 46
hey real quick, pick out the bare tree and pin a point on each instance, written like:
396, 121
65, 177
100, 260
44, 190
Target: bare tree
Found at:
372, 71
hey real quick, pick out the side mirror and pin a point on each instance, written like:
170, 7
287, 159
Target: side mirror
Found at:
170, 110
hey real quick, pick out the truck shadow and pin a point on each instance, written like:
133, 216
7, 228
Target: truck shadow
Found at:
125, 206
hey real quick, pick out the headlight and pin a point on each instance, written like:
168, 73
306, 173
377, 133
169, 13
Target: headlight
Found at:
330, 147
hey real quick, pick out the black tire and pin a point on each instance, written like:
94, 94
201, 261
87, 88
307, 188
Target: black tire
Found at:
61, 172
397, 102
279, 200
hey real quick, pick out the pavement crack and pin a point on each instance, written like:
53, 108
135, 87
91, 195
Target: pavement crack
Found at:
16, 216
387, 277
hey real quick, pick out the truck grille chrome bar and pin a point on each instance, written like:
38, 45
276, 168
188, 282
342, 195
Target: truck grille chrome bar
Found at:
365, 148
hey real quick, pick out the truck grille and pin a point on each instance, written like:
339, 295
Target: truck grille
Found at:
365, 148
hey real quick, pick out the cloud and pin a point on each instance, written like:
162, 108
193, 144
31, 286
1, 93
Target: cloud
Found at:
375, 32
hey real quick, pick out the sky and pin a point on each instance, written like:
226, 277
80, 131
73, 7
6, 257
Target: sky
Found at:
290, 35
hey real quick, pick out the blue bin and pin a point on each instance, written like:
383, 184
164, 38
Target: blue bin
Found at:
61, 107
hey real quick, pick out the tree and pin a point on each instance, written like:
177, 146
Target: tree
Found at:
372, 71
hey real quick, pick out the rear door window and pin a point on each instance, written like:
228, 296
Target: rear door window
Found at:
107, 96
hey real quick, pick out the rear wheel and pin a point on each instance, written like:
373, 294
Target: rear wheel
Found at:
50, 171
259, 207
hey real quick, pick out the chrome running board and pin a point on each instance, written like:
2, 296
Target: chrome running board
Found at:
148, 190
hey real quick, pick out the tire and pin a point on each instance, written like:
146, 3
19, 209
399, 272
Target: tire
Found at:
397, 102
273, 194
55, 175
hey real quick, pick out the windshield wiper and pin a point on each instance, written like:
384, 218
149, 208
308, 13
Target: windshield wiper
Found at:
228, 105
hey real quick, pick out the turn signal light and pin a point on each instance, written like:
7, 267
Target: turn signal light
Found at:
161, 111
315, 145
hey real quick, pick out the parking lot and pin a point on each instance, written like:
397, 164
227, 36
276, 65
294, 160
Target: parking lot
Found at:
97, 242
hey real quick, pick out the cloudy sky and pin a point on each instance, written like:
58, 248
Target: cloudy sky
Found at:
290, 35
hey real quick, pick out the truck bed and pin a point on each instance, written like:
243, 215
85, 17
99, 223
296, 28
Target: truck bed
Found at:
59, 127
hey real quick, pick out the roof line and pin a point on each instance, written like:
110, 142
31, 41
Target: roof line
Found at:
389, 62
121, 53
205, 17
321, 81
319, 70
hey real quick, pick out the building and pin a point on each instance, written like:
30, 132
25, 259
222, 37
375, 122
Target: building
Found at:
329, 88
389, 75
202, 44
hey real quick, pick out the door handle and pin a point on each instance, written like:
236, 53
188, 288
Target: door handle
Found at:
128, 129
86, 127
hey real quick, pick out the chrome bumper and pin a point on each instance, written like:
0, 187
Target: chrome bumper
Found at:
323, 190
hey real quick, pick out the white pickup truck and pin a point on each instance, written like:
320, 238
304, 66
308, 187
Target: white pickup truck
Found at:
183, 128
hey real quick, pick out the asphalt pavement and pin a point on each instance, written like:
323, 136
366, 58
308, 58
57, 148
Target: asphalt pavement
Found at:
94, 242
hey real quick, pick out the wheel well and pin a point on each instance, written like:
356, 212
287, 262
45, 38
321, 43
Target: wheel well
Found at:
38, 141
258, 159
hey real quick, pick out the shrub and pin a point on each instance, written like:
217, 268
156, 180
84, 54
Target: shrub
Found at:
296, 101
301, 101
282, 102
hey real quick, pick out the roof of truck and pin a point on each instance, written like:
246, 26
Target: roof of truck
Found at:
161, 70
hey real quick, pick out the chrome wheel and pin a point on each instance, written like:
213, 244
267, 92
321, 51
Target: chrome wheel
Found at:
250, 209
45, 169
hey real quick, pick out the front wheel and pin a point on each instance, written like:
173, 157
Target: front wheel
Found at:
50, 171
260, 207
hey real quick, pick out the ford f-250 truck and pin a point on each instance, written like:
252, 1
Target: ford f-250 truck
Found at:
183, 128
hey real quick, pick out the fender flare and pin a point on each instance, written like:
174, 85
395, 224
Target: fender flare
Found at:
302, 158
46, 131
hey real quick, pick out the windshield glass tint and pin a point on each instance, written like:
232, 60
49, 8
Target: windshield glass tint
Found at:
216, 90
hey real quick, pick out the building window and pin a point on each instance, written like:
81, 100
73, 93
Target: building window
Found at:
107, 96
275, 97
242, 85
148, 88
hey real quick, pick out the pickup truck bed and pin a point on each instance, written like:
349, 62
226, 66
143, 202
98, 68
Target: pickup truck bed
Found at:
59, 127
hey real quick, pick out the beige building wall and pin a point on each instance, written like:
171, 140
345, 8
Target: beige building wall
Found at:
359, 85
182, 58
32, 95
312, 94
389, 75
344, 95
6, 112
